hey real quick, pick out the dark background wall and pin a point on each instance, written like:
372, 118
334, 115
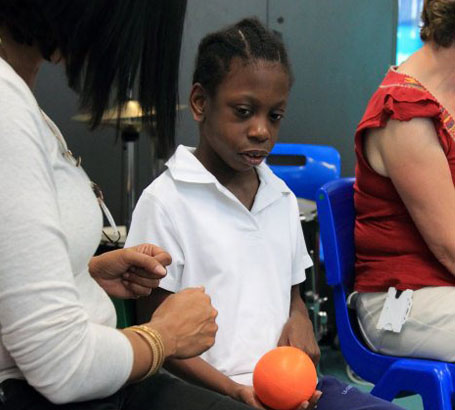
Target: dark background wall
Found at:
340, 50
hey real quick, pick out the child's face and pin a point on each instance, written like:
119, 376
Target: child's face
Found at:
239, 124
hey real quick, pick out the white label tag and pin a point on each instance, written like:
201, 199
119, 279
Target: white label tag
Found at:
395, 310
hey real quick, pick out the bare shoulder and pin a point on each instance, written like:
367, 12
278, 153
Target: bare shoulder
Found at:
398, 140
407, 129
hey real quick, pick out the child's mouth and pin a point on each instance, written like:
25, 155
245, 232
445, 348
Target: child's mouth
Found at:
254, 158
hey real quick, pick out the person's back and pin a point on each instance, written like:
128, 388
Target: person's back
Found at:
405, 199
390, 250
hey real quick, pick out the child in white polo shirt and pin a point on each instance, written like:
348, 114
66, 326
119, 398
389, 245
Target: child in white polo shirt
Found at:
231, 225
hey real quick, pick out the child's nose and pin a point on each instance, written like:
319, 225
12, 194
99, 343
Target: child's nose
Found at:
259, 130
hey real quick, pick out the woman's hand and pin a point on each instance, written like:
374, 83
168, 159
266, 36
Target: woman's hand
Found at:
298, 332
130, 272
186, 322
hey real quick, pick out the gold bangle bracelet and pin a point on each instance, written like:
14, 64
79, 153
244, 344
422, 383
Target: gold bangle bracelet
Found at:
155, 349
157, 337
154, 363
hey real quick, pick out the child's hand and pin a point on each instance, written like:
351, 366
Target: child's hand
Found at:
246, 395
298, 332
311, 404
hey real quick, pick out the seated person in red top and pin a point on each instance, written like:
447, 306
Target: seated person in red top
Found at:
405, 199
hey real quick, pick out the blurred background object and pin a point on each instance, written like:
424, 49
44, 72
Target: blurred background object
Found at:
408, 33
339, 49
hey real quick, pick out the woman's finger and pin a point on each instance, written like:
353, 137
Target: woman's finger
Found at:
155, 251
150, 265
137, 290
142, 273
141, 280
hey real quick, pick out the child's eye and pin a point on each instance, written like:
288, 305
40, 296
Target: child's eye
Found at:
243, 112
276, 116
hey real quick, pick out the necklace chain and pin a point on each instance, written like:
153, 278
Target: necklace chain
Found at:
66, 152
95, 188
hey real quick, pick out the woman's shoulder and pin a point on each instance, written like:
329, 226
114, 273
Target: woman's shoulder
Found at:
403, 86
14, 90
19, 110
401, 97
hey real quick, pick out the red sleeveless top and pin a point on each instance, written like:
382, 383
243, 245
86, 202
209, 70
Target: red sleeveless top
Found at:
389, 249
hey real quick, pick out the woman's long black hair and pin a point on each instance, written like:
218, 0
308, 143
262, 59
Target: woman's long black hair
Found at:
108, 47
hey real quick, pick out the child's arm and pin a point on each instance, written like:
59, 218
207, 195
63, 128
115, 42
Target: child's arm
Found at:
198, 371
298, 330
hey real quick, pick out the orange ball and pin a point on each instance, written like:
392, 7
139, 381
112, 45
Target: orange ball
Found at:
284, 378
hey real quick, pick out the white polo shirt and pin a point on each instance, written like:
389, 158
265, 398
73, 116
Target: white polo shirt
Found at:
246, 259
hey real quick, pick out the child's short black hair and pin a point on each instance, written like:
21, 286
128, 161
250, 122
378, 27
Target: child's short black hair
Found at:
108, 45
248, 39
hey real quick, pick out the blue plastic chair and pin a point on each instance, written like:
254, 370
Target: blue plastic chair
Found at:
305, 167
391, 375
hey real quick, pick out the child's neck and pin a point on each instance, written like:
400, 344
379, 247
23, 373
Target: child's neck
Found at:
243, 185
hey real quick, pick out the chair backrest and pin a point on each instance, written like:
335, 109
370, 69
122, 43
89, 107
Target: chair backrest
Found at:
336, 215
391, 374
305, 167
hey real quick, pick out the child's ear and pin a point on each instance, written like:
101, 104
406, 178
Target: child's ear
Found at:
198, 101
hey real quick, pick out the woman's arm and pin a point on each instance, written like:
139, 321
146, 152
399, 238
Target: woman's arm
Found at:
186, 323
409, 153
194, 370
47, 330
